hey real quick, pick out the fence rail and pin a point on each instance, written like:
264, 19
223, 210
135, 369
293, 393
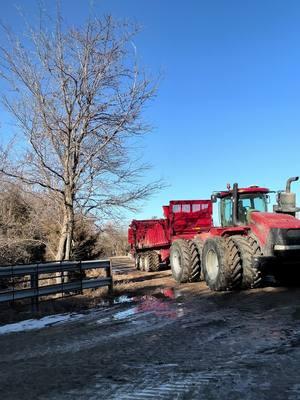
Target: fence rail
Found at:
71, 276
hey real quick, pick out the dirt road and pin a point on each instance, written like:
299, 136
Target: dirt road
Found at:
162, 341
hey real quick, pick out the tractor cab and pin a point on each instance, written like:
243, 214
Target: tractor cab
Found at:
236, 204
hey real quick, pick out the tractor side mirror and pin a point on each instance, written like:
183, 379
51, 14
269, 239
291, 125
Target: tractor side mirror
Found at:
214, 198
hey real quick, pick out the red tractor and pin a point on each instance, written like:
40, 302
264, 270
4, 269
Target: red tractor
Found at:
249, 244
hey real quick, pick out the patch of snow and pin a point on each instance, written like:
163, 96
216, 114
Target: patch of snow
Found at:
31, 324
124, 314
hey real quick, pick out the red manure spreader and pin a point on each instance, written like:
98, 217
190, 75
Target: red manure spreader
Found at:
248, 244
150, 240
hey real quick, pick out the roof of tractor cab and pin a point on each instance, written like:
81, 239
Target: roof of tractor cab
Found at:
248, 190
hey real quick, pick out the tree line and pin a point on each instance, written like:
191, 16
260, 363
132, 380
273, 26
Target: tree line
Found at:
30, 226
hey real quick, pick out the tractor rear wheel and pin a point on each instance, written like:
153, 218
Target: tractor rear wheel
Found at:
214, 262
234, 263
248, 248
180, 260
199, 244
195, 267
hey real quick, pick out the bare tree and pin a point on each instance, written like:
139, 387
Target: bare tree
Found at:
21, 238
78, 97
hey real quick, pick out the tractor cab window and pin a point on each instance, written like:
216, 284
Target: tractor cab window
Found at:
254, 202
226, 212
248, 202
251, 202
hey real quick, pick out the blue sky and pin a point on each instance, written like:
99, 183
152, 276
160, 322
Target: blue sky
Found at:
228, 106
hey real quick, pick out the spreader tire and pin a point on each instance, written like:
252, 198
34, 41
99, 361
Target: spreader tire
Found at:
214, 262
137, 262
180, 259
142, 262
153, 261
147, 262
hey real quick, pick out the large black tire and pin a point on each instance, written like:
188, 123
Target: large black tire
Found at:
199, 244
234, 264
180, 260
137, 261
153, 260
146, 263
195, 267
214, 262
248, 248
142, 262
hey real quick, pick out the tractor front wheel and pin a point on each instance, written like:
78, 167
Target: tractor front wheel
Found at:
195, 267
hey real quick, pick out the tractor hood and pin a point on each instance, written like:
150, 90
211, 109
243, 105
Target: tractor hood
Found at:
273, 220
273, 229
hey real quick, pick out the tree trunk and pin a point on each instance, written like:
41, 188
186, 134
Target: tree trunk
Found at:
66, 237
60, 254
66, 234
70, 231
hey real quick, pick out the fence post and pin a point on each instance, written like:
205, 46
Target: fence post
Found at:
34, 284
109, 275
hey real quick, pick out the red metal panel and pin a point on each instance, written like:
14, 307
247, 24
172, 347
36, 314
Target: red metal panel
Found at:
188, 217
183, 219
149, 233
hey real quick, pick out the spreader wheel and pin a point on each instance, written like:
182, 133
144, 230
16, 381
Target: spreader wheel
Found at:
154, 261
180, 259
138, 262
142, 262
147, 262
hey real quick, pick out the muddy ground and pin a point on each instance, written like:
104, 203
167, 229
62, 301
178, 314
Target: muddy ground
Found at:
162, 341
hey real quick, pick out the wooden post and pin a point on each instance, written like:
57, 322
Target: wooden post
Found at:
34, 284
111, 286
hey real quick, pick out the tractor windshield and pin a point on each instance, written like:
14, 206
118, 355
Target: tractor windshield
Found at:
247, 202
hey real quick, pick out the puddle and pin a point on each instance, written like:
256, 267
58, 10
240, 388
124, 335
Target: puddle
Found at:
160, 304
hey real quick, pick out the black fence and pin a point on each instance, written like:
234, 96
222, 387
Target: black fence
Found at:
20, 282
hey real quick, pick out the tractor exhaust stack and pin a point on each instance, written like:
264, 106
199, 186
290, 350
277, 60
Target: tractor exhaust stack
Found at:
287, 200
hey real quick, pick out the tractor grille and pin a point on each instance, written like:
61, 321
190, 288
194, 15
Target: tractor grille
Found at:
286, 237
293, 235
